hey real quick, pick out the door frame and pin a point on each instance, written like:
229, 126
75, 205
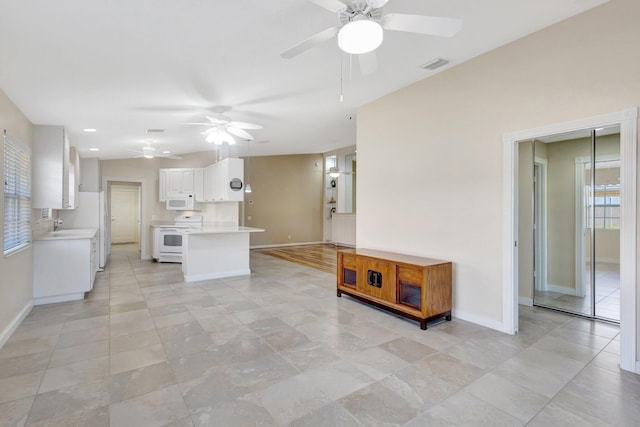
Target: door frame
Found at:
135, 190
540, 206
628, 121
106, 180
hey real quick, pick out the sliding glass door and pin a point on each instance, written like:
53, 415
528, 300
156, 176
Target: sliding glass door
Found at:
576, 222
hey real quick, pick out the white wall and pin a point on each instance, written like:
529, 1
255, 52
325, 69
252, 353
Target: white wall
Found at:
445, 191
15, 271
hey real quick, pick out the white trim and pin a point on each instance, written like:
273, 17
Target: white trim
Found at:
200, 277
78, 296
509, 234
144, 249
525, 301
541, 237
580, 258
628, 121
282, 245
480, 320
13, 325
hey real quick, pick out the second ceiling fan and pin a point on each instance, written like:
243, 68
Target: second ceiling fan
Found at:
362, 24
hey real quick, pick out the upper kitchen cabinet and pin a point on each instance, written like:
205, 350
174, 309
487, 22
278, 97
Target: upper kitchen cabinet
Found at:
226, 181
176, 181
90, 174
52, 186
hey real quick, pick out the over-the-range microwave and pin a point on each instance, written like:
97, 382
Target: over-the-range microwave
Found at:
182, 202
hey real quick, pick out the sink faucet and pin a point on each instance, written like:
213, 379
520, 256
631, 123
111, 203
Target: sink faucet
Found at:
56, 224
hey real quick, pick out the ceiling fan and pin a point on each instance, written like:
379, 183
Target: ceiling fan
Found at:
149, 152
362, 23
223, 129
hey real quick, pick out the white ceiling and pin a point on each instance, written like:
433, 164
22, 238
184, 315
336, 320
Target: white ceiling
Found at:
126, 66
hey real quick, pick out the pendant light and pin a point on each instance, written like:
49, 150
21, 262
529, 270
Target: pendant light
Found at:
247, 188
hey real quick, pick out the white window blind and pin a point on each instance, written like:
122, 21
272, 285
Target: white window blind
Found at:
17, 195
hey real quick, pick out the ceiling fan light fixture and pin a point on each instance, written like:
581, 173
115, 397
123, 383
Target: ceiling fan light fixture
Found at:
334, 172
361, 35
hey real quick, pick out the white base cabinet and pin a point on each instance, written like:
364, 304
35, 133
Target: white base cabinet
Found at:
63, 269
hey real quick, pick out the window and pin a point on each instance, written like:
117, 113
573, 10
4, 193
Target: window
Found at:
17, 195
607, 206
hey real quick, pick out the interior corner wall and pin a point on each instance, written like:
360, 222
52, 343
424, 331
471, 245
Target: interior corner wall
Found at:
286, 199
16, 291
444, 196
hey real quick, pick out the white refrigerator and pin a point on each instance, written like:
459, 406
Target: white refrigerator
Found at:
90, 213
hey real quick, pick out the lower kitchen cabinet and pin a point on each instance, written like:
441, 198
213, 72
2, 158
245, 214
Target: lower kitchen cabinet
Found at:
64, 268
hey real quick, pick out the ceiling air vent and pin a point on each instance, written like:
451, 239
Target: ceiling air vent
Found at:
155, 130
436, 63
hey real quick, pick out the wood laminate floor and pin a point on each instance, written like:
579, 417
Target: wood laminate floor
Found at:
321, 256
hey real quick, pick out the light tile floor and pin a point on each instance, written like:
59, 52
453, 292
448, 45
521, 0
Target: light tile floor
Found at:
607, 295
279, 348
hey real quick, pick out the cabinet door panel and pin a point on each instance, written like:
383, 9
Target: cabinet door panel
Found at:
377, 278
410, 287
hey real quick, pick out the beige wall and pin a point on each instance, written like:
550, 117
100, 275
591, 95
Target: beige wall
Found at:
287, 199
16, 270
445, 136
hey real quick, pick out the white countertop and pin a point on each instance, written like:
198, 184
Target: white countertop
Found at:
68, 234
220, 230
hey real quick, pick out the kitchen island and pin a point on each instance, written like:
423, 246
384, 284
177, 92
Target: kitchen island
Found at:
215, 252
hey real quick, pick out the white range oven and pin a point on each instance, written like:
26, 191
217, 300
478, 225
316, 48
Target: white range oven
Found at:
167, 240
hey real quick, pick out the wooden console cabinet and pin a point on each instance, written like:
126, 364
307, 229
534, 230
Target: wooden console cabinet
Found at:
414, 287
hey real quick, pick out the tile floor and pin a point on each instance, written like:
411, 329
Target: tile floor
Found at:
279, 348
607, 294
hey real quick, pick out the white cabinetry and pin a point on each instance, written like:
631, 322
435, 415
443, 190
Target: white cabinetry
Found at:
198, 184
50, 159
90, 174
63, 269
176, 181
223, 181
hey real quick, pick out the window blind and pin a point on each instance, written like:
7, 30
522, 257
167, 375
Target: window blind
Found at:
17, 195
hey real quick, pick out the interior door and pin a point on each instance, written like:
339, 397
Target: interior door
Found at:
124, 214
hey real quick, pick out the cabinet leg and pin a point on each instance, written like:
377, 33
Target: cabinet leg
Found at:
339, 293
448, 316
423, 324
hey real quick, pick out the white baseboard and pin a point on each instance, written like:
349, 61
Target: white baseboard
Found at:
525, 301
281, 245
560, 289
221, 275
13, 325
479, 320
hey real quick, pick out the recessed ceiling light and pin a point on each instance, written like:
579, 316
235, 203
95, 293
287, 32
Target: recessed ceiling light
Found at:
94, 149
166, 152
89, 130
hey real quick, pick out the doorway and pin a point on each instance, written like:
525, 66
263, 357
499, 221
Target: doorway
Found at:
125, 214
576, 222
512, 290
142, 245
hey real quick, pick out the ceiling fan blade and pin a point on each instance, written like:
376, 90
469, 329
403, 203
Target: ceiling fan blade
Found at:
240, 133
368, 63
429, 25
312, 41
220, 120
376, 4
169, 156
202, 124
244, 125
334, 6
